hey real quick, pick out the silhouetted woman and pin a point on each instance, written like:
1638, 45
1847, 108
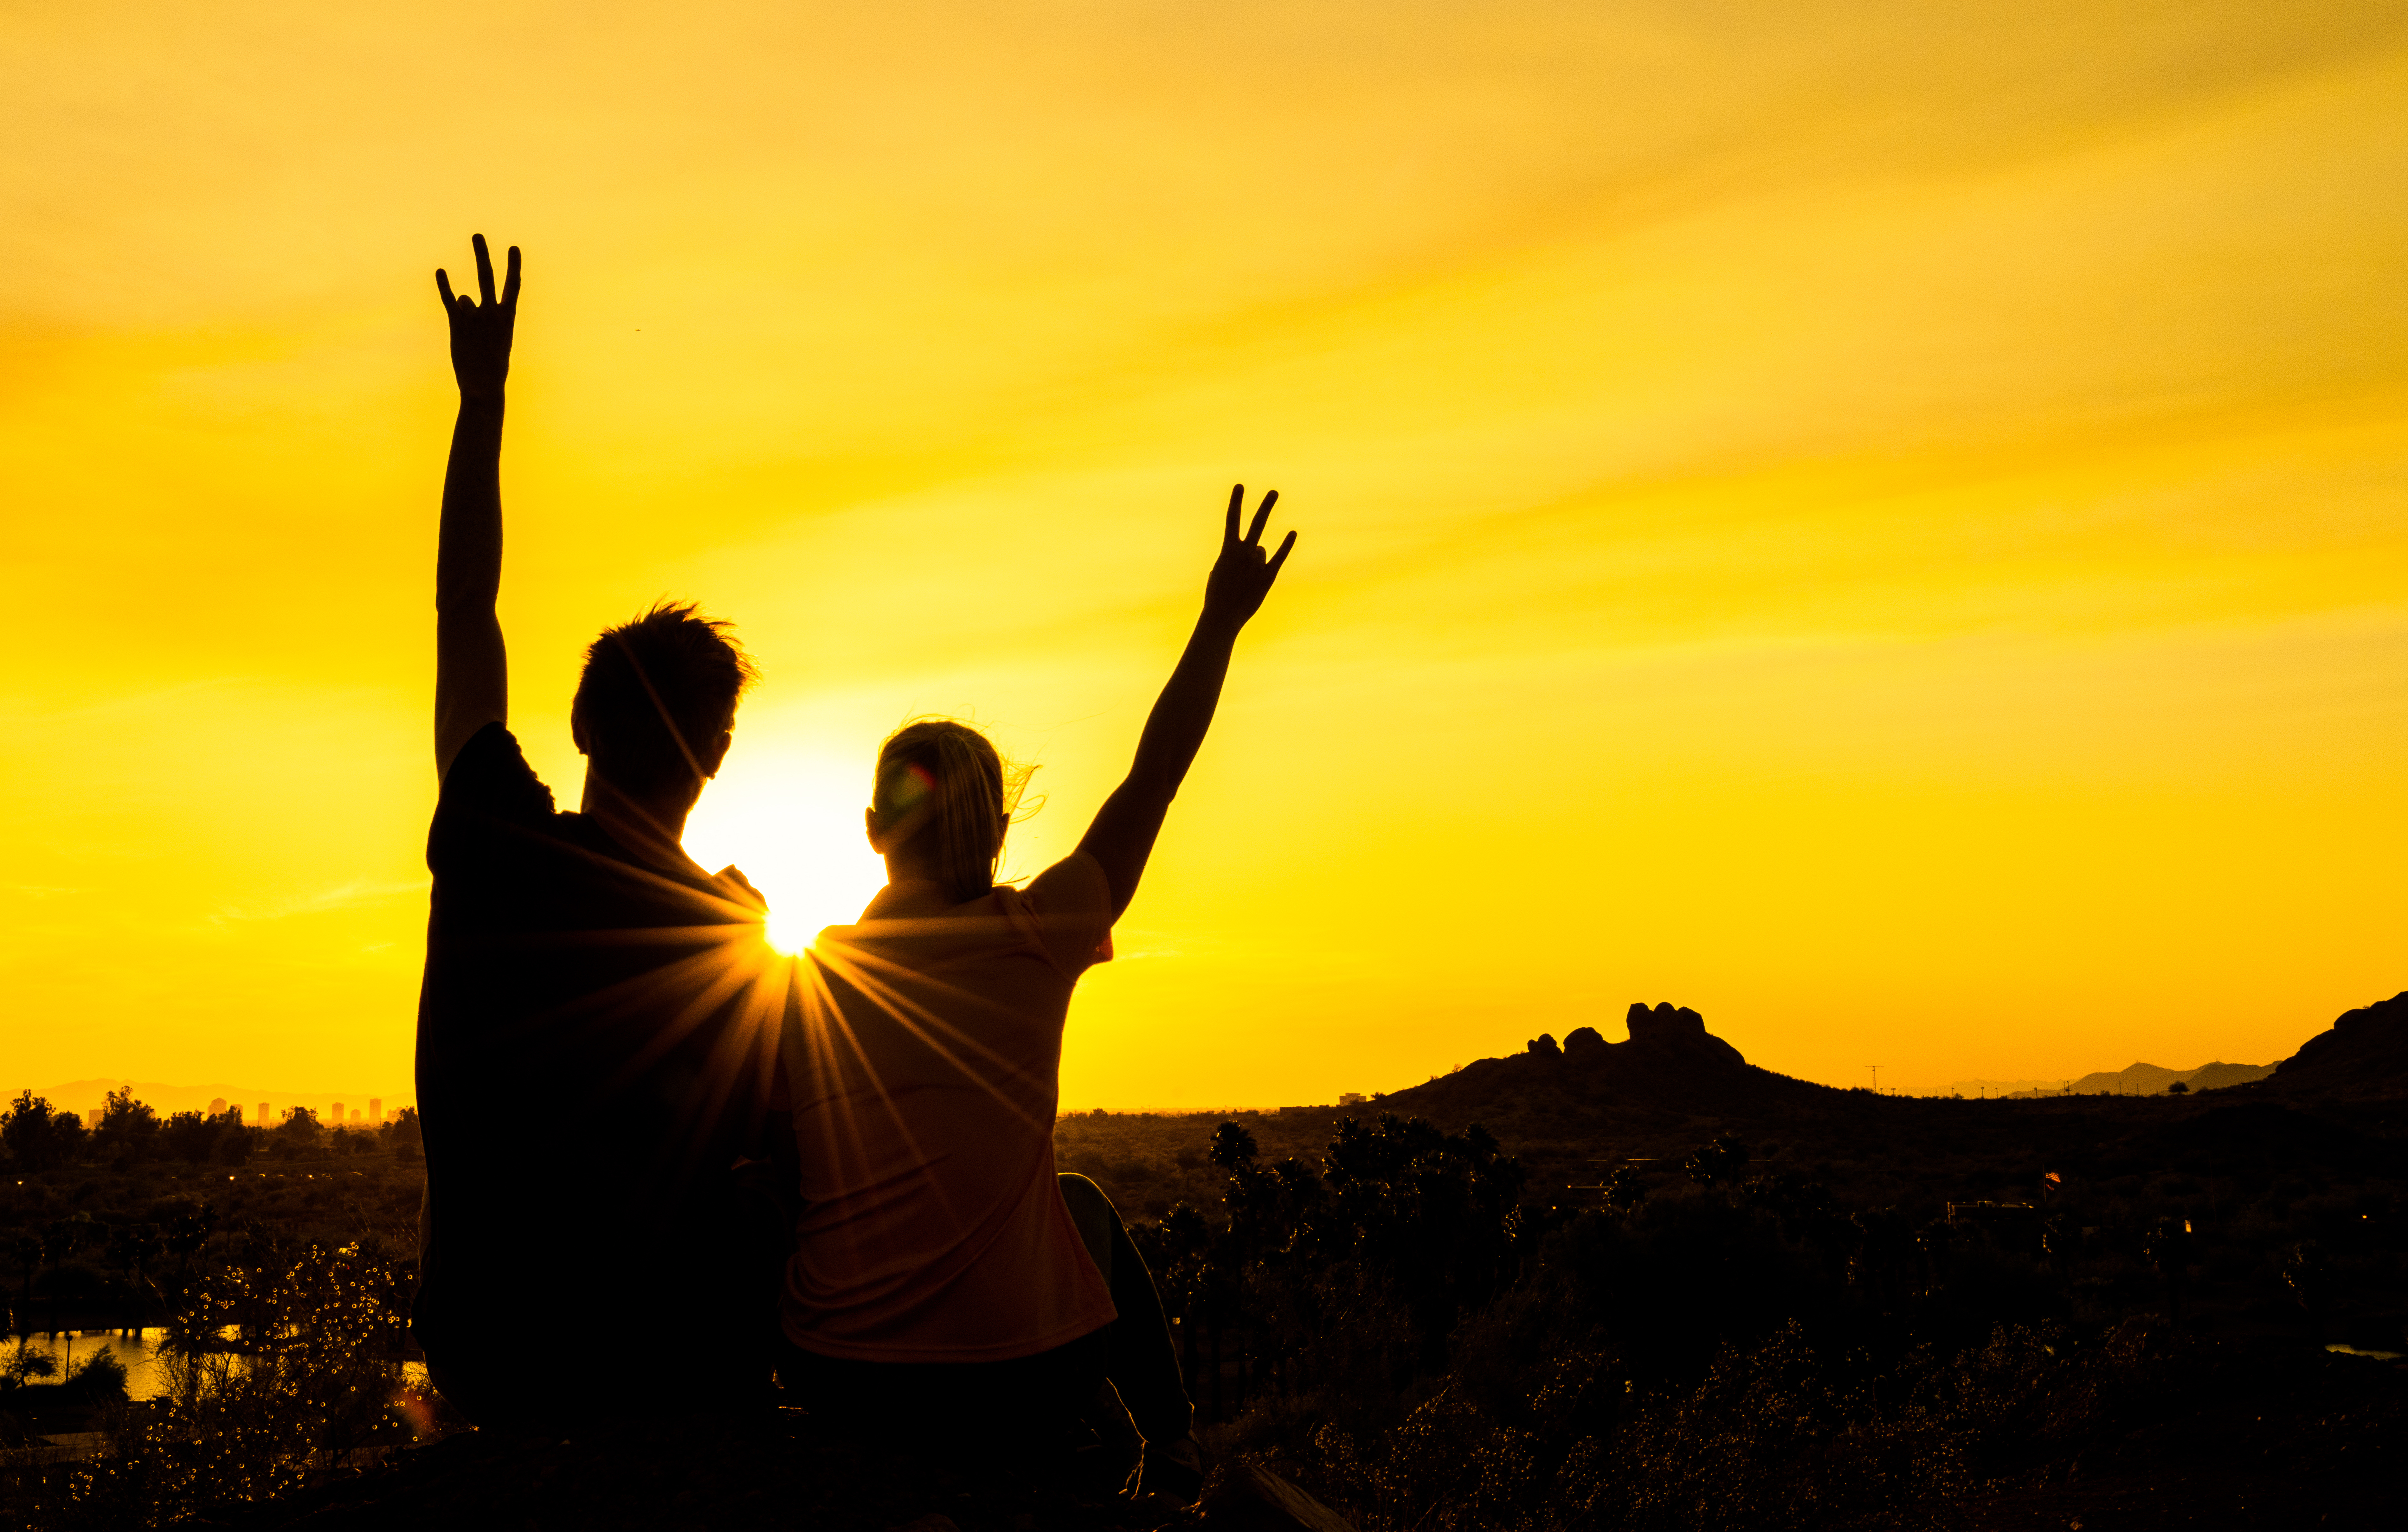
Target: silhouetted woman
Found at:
944, 1276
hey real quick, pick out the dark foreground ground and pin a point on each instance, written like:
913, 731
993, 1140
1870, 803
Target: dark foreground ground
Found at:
1610, 1288
2214, 1437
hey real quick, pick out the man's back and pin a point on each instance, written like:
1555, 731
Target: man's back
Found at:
592, 1039
599, 1013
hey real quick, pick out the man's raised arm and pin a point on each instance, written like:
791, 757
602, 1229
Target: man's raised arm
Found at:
472, 681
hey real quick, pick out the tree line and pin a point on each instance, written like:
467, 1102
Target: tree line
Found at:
36, 1138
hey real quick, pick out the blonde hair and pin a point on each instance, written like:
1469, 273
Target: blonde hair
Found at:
943, 784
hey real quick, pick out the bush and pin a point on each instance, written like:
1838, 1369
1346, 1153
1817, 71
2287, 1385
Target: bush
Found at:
313, 1377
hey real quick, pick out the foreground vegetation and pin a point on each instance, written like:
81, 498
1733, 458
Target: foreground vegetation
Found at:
1858, 1313
1830, 1310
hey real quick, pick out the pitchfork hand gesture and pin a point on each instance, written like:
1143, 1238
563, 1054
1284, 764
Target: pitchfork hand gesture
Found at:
472, 685
480, 332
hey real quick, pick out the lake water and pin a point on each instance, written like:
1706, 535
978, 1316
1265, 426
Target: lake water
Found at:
137, 1351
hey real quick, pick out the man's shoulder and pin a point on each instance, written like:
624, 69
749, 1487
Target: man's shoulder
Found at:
491, 799
489, 779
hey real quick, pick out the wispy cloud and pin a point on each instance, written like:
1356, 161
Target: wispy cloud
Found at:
358, 891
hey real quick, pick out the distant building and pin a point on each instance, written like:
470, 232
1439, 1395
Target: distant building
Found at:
91, 1116
217, 1106
355, 1117
264, 1118
1351, 1098
376, 1109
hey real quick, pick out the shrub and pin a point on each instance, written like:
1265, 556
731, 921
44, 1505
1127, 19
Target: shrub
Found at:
311, 1376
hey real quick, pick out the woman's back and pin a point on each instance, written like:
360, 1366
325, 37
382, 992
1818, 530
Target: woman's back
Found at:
924, 1076
924, 1080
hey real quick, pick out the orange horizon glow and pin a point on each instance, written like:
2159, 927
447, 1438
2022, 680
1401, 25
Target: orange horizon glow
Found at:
1883, 523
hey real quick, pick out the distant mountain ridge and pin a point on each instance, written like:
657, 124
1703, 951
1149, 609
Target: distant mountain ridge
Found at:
1673, 1063
2156, 1079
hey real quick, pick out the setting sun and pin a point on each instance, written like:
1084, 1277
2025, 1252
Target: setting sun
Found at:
791, 820
1880, 523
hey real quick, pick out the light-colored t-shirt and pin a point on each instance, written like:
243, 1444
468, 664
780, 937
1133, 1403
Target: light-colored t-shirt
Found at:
924, 1080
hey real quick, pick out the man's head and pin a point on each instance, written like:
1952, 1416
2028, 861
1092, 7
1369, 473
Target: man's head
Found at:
657, 699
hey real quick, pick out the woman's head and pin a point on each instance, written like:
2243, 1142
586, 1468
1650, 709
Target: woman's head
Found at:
942, 800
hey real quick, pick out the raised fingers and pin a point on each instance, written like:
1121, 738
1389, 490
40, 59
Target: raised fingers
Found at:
1237, 504
1255, 533
484, 269
1280, 557
511, 282
443, 285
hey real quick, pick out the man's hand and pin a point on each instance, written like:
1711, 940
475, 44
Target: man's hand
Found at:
472, 684
1242, 576
480, 333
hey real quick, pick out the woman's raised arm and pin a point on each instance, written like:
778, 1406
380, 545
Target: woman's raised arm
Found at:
1123, 836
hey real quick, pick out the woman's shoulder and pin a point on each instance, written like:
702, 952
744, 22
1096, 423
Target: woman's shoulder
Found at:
1074, 884
1067, 914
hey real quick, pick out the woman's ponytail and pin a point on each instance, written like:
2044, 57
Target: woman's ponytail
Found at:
943, 784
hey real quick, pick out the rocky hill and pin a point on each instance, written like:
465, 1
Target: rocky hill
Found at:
1671, 1062
2364, 1052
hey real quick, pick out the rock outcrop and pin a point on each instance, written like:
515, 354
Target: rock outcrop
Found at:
1585, 1042
1680, 1031
2364, 1051
1671, 1062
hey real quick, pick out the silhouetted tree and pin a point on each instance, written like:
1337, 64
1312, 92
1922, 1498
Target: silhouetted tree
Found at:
1432, 1217
188, 1135
187, 1234
401, 1134
127, 1126
132, 1248
36, 1138
298, 1131
61, 1240
232, 1143
30, 1250
1232, 1146
1720, 1161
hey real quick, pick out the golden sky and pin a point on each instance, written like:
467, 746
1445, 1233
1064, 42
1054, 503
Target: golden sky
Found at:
1881, 522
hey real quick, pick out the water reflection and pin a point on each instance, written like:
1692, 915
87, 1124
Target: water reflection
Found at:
137, 1352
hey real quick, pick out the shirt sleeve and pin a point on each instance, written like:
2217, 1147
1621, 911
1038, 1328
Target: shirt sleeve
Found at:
489, 787
1072, 905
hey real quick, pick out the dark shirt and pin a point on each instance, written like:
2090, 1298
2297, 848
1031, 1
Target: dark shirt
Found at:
594, 1041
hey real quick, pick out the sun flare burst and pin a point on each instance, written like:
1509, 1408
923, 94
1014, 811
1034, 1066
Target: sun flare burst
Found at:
792, 821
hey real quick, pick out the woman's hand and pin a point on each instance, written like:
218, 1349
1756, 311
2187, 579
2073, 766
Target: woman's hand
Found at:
1123, 836
1242, 575
480, 333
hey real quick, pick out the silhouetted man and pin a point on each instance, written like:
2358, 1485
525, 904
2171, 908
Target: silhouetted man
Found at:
598, 1012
